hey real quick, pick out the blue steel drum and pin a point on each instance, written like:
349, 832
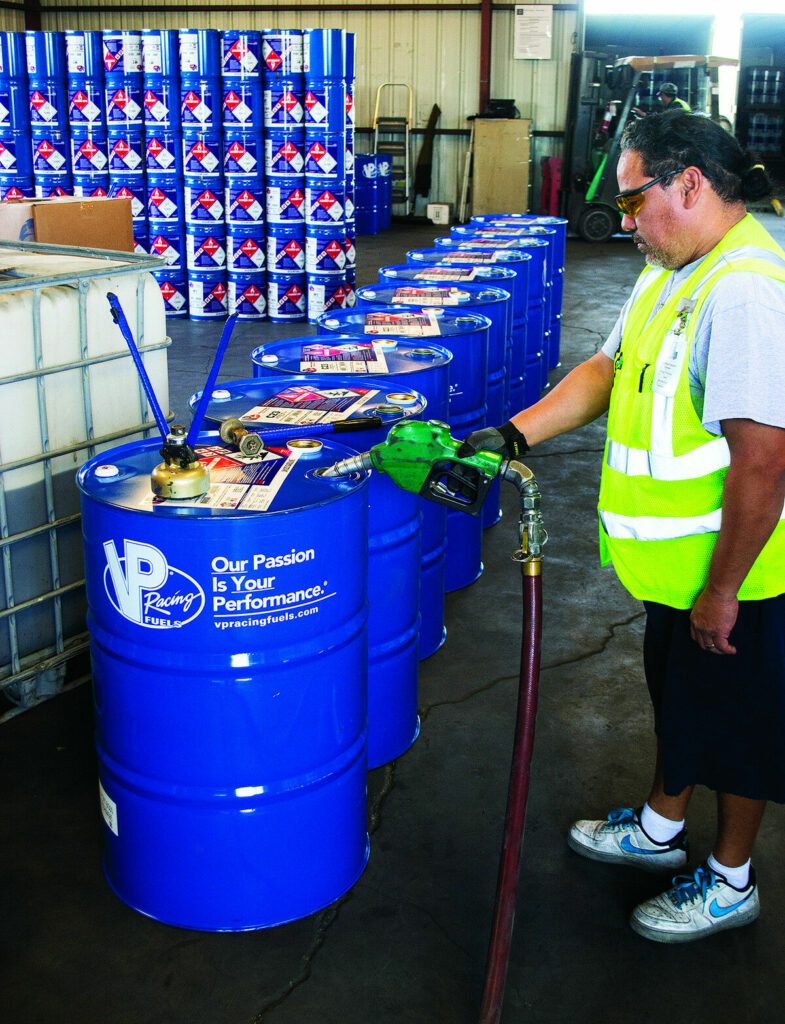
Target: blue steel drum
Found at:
161, 54
284, 155
165, 198
349, 55
161, 100
325, 250
394, 538
47, 185
324, 202
174, 290
231, 735
536, 337
122, 52
207, 295
539, 290
89, 152
84, 54
282, 51
555, 261
13, 55
512, 260
130, 186
282, 103
243, 152
245, 201
16, 156
286, 297
286, 248
51, 153
243, 104
246, 249
409, 366
247, 295
323, 53
326, 294
205, 246
485, 300
285, 201
241, 53
204, 200
203, 154
164, 152
14, 186
466, 336
91, 186
325, 155
124, 101
48, 104
14, 105
86, 103
167, 240
45, 54
325, 104
201, 104
126, 151
200, 53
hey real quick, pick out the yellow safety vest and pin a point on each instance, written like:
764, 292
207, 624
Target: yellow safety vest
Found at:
660, 501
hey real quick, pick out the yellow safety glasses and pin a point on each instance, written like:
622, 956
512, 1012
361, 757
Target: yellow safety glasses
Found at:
630, 202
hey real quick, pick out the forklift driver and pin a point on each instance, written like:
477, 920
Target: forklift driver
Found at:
669, 98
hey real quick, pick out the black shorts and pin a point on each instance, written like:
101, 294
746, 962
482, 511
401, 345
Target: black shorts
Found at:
720, 718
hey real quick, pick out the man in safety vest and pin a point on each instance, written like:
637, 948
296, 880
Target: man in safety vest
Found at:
668, 96
691, 507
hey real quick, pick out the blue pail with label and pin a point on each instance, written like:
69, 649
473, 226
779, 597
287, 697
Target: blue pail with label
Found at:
247, 295
245, 200
205, 246
207, 295
282, 52
286, 248
286, 297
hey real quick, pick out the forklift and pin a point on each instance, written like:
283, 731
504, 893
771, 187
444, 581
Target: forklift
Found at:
602, 100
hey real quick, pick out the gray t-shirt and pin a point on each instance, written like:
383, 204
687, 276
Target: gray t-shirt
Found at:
737, 360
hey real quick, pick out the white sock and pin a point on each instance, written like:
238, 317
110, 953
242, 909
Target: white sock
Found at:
660, 829
739, 877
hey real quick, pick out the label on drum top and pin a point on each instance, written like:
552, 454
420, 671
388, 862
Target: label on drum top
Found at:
357, 357
447, 274
406, 325
238, 482
497, 243
303, 406
413, 296
475, 257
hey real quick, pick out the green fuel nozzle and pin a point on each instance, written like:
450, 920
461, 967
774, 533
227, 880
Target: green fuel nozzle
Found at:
422, 458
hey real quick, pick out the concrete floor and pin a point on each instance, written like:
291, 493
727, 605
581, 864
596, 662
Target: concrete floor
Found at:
408, 943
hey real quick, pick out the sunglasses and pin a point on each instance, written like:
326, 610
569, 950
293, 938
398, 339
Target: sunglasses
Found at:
630, 202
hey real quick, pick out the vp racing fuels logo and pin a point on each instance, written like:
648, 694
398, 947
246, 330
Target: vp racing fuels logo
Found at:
145, 589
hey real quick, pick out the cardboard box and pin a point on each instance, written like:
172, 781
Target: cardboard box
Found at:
439, 213
63, 220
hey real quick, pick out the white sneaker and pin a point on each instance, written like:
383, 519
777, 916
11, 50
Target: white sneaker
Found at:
621, 840
697, 905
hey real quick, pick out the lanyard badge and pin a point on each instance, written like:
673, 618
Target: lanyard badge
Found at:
672, 352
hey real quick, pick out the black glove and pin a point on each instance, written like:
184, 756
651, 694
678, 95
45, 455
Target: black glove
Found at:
505, 439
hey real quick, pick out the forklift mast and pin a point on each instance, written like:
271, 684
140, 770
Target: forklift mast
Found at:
602, 100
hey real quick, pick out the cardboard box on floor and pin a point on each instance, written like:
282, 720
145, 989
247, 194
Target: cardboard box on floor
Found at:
63, 220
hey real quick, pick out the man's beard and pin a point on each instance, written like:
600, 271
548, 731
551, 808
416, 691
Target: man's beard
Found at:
657, 257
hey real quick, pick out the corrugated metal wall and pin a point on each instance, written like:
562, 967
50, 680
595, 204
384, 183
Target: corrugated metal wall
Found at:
11, 21
436, 52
